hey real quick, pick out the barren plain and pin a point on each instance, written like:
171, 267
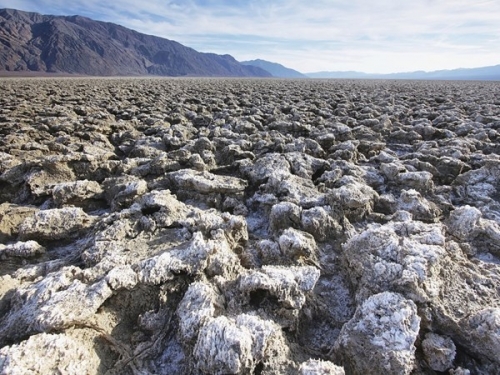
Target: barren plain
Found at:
246, 226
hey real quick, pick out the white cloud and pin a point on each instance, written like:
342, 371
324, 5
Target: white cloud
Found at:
382, 36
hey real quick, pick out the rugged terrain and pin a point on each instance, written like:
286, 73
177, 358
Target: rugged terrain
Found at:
31, 42
209, 226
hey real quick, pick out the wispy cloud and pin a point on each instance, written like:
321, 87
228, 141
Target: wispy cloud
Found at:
313, 35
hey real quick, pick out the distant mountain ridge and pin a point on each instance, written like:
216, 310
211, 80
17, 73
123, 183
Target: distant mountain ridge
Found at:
488, 73
277, 70
31, 42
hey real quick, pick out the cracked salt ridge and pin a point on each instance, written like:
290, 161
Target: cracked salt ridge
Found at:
370, 218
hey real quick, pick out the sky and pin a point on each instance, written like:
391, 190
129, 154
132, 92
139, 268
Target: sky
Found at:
372, 36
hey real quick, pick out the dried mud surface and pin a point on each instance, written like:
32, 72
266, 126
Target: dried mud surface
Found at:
225, 226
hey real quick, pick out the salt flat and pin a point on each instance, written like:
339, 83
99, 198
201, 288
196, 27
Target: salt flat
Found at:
249, 226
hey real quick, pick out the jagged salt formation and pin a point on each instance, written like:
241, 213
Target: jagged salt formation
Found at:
249, 227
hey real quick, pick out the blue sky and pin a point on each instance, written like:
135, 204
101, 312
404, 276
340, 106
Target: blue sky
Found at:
377, 36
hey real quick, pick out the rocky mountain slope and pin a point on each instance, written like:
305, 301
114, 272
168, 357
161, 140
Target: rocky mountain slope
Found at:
277, 70
211, 226
79, 45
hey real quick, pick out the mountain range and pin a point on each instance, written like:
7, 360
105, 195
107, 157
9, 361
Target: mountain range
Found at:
38, 44
31, 42
487, 73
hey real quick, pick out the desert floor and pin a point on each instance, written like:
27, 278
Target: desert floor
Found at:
249, 226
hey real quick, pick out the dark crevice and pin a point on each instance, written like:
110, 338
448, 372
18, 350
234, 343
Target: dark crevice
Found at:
258, 369
150, 210
318, 173
260, 297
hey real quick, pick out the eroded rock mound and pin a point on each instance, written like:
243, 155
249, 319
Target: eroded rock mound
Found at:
380, 337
